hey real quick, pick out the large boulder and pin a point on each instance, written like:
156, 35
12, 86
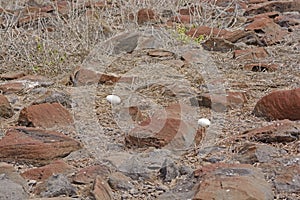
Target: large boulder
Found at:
232, 181
35, 146
284, 104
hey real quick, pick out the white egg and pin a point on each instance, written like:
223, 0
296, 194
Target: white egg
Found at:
204, 122
113, 99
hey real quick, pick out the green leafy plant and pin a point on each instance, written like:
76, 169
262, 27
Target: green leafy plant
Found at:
200, 38
35, 68
181, 31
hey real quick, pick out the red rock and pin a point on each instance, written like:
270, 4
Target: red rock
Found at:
160, 53
24, 83
166, 127
32, 13
231, 36
43, 173
35, 78
224, 181
47, 8
109, 78
261, 67
267, 15
280, 6
33, 17
251, 54
221, 3
88, 174
206, 31
268, 31
256, 1
12, 87
101, 189
173, 63
87, 77
145, 15
45, 115
221, 103
284, 104
191, 56
132, 113
184, 19
2, 23
12, 75
192, 10
63, 7
6, 110
284, 131
287, 20
98, 5
35, 146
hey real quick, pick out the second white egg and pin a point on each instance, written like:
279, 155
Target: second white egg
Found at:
113, 99
204, 122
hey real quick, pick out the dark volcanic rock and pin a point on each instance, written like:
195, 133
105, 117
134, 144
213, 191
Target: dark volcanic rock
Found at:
144, 165
88, 174
55, 186
219, 102
288, 179
55, 97
126, 44
218, 44
261, 67
119, 181
284, 131
251, 54
6, 110
169, 170
224, 181
280, 6
13, 186
267, 30
11, 190
251, 153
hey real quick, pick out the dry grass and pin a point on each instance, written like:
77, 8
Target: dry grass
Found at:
57, 43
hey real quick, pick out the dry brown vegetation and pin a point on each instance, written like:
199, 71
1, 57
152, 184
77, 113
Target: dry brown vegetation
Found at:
55, 44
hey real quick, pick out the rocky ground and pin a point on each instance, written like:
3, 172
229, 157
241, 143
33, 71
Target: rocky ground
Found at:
171, 63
